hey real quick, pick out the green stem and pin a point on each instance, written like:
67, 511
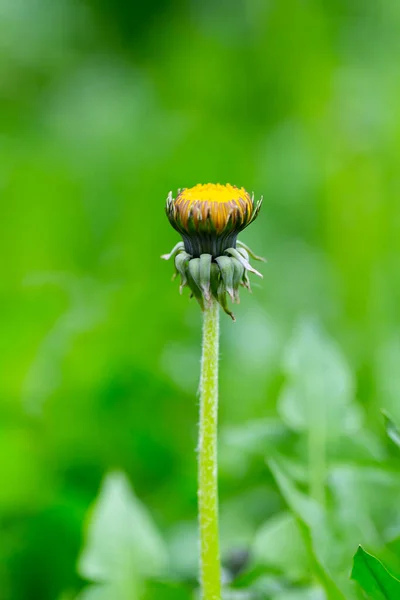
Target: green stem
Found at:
317, 462
210, 569
317, 440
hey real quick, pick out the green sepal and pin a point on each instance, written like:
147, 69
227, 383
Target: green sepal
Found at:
221, 297
239, 255
205, 274
193, 275
181, 264
215, 279
227, 270
238, 272
177, 248
249, 251
246, 281
244, 253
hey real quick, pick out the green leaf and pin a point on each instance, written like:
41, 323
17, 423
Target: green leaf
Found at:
317, 399
152, 590
392, 430
366, 505
123, 545
374, 578
254, 437
306, 509
279, 544
99, 592
319, 385
314, 593
315, 528
167, 590
183, 545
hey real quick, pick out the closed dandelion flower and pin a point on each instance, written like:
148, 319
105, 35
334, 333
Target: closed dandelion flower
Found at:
209, 217
210, 259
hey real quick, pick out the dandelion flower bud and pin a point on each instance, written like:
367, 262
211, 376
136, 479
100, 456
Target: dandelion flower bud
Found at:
210, 260
209, 217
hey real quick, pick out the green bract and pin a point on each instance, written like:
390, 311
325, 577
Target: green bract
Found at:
207, 277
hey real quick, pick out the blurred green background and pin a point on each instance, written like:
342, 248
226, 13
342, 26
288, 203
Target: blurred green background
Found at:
105, 107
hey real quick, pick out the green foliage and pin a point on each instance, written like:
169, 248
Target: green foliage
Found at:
123, 548
372, 576
104, 108
391, 429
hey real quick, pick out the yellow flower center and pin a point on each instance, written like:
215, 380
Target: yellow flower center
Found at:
219, 201
213, 192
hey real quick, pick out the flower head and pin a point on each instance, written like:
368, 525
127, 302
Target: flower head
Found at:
210, 260
209, 217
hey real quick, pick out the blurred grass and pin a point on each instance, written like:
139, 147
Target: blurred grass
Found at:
105, 107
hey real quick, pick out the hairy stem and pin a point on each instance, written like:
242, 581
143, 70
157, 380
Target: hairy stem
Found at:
210, 569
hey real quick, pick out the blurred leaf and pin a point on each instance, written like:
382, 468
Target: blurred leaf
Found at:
183, 544
266, 588
88, 301
259, 577
363, 447
67, 595
387, 360
315, 593
305, 508
151, 590
280, 545
372, 576
99, 592
319, 386
315, 529
122, 542
240, 445
231, 594
254, 437
391, 429
317, 398
163, 590
365, 505
241, 514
